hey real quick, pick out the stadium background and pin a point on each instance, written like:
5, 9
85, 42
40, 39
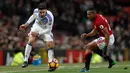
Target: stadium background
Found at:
70, 22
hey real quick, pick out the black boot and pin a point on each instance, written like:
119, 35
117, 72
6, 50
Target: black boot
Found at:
25, 64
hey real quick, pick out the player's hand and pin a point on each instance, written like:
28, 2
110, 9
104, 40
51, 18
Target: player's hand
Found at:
83, 35
34, 34
23, 26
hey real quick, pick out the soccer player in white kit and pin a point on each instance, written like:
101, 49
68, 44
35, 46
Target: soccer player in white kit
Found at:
42, 27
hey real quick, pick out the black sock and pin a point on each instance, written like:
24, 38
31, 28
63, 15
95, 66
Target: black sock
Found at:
88, 57
106, 57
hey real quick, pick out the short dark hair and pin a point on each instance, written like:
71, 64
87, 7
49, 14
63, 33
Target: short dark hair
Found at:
92, 9
41, 6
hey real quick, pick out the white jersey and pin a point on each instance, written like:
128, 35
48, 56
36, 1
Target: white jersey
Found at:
45, 23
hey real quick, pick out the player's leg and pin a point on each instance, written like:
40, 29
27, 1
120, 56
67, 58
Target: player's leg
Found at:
99, 46
50, 47
28, 49
111, 62
88, 56
94, 46
48, 38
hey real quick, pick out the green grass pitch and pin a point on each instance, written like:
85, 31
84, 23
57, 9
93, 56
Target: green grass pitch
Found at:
69, 68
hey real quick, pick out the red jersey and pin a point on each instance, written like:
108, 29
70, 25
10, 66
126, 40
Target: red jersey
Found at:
99, 23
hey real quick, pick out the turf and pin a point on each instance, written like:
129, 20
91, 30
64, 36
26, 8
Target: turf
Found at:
69, 68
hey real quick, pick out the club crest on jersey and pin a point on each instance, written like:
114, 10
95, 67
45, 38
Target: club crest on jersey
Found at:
45, 21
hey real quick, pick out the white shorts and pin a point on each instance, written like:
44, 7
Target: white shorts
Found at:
101, 41
46, 37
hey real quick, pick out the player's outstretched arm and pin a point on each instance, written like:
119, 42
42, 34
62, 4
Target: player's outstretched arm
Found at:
92, 33
31, 18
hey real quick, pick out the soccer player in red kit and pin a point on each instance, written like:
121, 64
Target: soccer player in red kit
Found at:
99, 45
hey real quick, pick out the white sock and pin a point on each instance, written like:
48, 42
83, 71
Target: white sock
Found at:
50, 54
27, 52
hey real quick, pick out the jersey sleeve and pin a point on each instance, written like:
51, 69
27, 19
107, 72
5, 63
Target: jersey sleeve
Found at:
35, 10
100, 25
32, 17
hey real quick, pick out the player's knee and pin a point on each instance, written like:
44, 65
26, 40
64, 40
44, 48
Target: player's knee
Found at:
31, 40
89, 46
87, 50
50, 45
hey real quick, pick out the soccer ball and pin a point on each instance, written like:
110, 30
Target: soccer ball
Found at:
53, 63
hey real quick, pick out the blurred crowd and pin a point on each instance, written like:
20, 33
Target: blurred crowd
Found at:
70, 22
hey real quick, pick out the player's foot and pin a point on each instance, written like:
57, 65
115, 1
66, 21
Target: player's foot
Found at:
111, 64
25, 64
51, 69
84, 70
